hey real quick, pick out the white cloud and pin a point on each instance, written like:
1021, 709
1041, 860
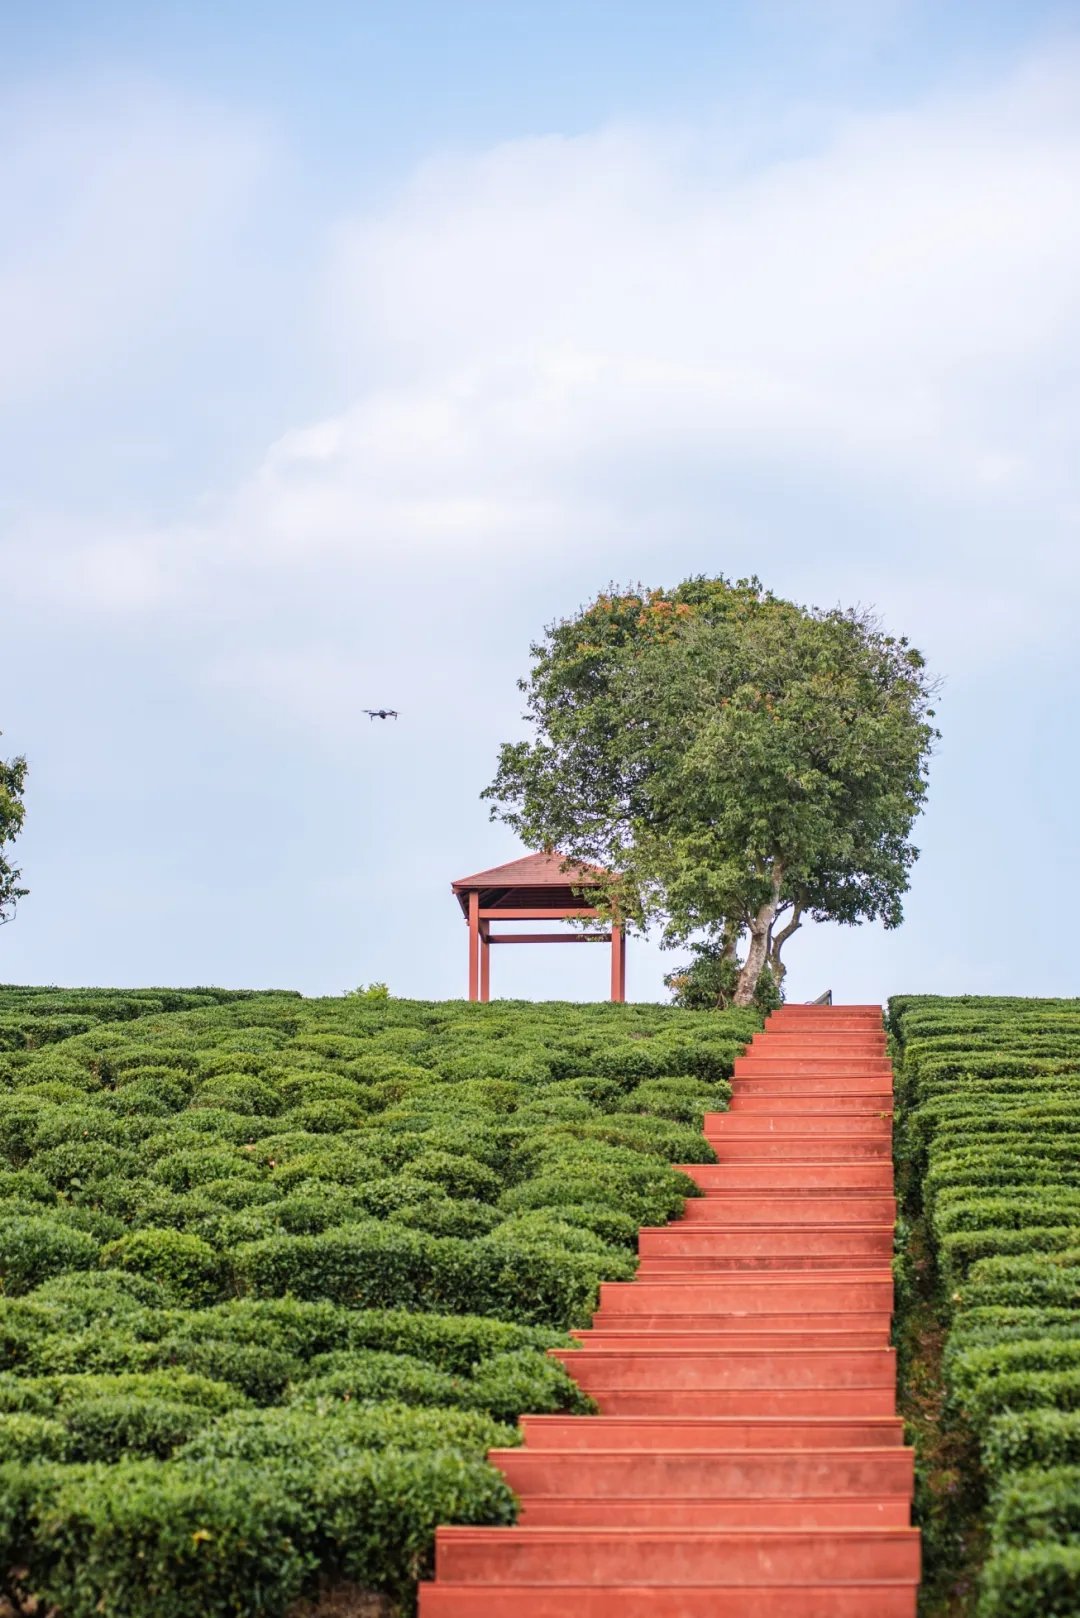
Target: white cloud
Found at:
882, 296
582, 348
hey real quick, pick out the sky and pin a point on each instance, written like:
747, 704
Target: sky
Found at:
346, 346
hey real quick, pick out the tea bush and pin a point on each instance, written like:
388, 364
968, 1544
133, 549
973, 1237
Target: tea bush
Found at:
989, 1130
276, 1273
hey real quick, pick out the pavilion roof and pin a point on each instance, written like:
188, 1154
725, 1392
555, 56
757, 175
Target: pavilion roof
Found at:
531, 871
533, 880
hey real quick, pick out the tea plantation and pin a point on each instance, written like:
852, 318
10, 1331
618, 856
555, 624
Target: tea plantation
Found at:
277, 1272
989, 1133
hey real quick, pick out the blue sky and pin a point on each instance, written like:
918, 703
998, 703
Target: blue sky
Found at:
347, 345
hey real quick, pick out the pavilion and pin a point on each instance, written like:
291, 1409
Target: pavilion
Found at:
538, 887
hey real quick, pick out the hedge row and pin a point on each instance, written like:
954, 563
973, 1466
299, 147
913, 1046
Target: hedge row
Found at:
989, 1128
276, 1273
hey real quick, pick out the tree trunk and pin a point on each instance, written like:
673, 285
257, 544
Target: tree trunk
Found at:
777, 942
729, 951
759, 941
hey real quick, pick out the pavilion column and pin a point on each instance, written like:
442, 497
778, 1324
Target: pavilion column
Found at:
618, 962
485, 961
474, 946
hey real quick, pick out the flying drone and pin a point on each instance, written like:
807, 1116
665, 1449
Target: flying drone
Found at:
381, 713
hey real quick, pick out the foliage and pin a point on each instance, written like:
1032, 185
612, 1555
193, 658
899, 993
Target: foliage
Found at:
740, 762
710, 980
989, 1130
12, 815
277, 1272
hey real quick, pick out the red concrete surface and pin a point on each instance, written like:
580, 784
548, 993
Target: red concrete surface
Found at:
747, 1461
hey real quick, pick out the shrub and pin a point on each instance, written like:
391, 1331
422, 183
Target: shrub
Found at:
156, 1092
328, 1117
260, 1372
178, 1541
362, 1265
336, 1429
684, 1100
538, 1281
377, 1514
33, 1247
77, 1164
508, 1385
26, 1436
453, 1342
1042, 1582
110, 1428
182, 1170
1023, 1390
1038, 1438
459, 1176
185, 1265
183, 1540
644, 1201
1039, 1504
239, 1092
370, 1376
448, 1216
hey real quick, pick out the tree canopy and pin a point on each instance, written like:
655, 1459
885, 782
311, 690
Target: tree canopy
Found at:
738, 761
12, 812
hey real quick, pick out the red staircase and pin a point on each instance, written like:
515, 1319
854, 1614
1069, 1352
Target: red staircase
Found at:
748, 1461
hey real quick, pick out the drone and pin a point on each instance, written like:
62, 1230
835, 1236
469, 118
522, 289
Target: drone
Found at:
381, 713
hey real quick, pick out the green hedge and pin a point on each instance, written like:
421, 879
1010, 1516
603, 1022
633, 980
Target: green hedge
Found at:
1043, 1582
277, 1273
989, 1132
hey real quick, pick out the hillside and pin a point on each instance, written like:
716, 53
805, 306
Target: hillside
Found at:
278, 1272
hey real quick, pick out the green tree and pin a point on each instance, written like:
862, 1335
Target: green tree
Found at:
12, 812
742, 763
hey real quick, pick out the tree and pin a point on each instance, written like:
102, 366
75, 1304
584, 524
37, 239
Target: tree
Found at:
740, 762
12, 812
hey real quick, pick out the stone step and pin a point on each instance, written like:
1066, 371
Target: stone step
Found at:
765, 1241
706, 1369
717, 1432
760, 1063
540, 1511
656, 1267
788, 1034
797, 1177
802, 1084
739, 1474
779, 1292
740, 1146
786, 1328
663, 1337
798, 1047
748, 1402
892, 1599
613, 1556
836, 1126
725, 1208
792, 1104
